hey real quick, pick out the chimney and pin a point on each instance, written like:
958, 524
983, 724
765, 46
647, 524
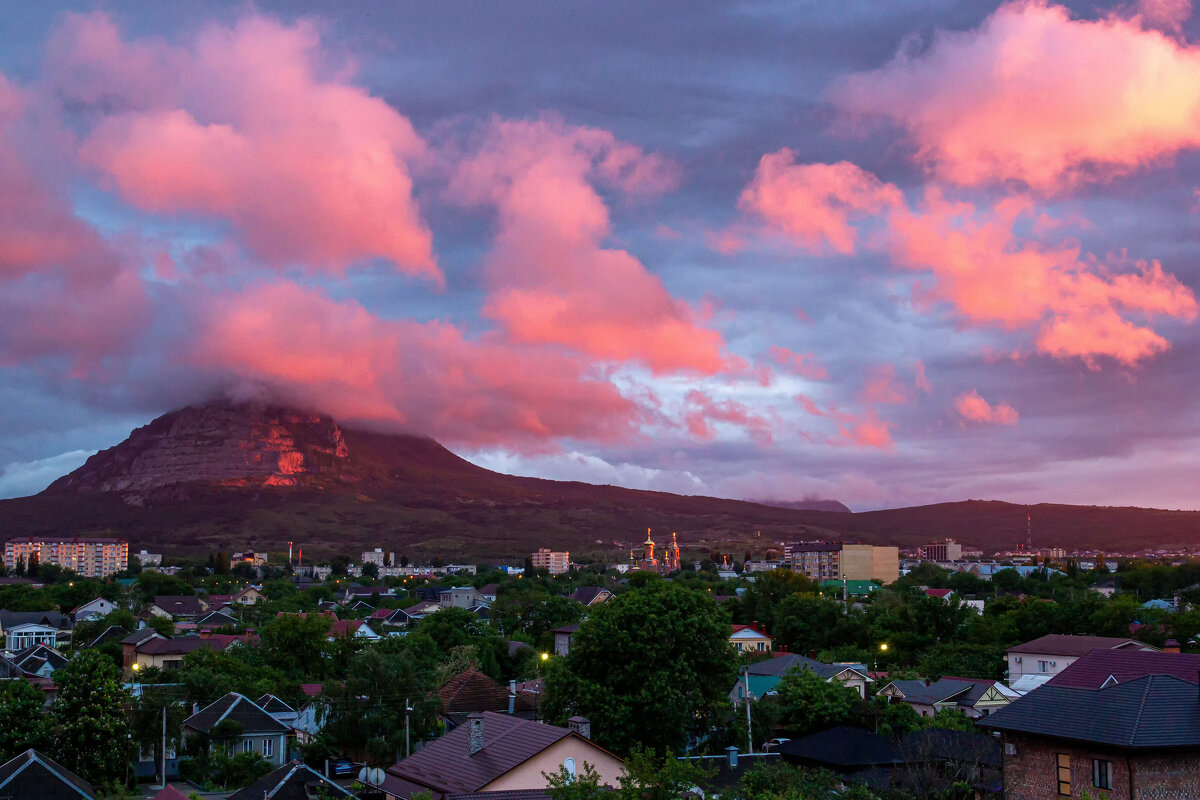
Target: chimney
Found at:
581, 725
205, 633
249, 635
475, 734
731, 751
1172, 646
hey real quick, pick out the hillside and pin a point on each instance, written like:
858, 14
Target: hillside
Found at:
236, 477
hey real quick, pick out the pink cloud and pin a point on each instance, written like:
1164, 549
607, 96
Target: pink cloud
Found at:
991, 275
920, 380
551, 279
804, 365
704, 411
971, 406
813, 204
865, 429
425, 376
1164, 15
65, 291
1037, 96
881, 386
247, 124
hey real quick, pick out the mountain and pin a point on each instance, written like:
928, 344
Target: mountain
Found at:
245, 476
808, 505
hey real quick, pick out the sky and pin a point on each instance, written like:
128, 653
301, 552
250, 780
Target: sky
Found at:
889, 253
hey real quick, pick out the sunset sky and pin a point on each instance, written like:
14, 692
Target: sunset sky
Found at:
885, 252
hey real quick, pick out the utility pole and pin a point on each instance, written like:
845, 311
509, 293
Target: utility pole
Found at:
407, 710
749, 726
164, 748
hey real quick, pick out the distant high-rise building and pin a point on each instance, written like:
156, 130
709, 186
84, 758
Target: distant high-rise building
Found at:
823, 561
375, 557
91, 557
948, 550
556, 562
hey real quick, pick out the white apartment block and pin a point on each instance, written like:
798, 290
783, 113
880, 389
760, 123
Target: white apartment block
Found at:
375, 557
556, 562
90, 557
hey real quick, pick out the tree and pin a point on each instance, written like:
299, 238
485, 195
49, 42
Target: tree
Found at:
647, 776
370, 570
22, 723
652, 666
295, 643
32, 569
808, 703
90, 726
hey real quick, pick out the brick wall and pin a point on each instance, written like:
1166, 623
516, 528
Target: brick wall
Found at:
1031, 773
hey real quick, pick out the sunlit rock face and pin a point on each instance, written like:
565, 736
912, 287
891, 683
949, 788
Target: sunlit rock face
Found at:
223, 444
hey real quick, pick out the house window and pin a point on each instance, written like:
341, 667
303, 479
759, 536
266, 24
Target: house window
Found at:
268, 747
1043, 666
1102, 774
569, 766
1064, 774
247, 745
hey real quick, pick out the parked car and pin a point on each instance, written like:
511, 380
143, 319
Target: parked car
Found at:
341, 766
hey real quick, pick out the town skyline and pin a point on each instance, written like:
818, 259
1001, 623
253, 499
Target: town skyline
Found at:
743, 251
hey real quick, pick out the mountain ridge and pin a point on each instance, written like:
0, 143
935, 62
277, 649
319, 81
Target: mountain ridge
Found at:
266, 475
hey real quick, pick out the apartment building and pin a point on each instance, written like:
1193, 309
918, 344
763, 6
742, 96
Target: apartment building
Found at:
556, 562
822, 561
89, 556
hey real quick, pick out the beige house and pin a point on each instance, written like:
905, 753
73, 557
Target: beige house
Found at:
497, 752
749, 639
1050, 655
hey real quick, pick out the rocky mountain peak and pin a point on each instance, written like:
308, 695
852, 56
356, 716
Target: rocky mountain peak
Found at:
220, 444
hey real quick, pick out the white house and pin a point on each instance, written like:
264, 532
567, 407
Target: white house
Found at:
93, 609
749, 639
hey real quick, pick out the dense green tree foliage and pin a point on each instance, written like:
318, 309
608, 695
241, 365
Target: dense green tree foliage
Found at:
91, 726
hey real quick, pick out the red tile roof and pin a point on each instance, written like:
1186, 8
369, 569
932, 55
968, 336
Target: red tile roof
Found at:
471, 691
1096, 667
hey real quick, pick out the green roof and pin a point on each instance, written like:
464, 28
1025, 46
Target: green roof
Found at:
852, 587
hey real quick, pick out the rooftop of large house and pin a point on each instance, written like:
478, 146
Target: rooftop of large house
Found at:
447, 767
1153, 711
1101, 666
1061, 645
471, 691
32, 774
180, 605
238, 708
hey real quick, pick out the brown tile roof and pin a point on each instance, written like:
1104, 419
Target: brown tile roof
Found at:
180, 605
445, 766
471, 691
1060, 645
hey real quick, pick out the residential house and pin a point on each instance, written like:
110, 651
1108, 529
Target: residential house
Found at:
109, 634
255, 730
357, 591
22, 629
499, 753
472, 692
725, 771
563, 637
1051, 654
591, 595
292, 781
216, 619
177, 607
168, 654
250, 596
973, 697
93, 609
33, 775
461, 597
1126, 741
749, 639
488, 592
351, 628
421, 610
763, 677
946, 595
278, 709
40, 660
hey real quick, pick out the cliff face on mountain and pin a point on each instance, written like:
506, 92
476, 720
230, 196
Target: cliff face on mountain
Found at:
225, 444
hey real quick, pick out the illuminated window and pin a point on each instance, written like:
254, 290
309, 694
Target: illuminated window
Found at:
1064, 774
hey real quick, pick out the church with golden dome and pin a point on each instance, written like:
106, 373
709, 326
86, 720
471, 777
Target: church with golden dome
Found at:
667, 563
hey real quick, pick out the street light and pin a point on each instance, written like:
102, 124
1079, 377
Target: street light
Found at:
545, 656
875, 661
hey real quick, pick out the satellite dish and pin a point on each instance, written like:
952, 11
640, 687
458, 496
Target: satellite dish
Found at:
363, 774
375, 777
